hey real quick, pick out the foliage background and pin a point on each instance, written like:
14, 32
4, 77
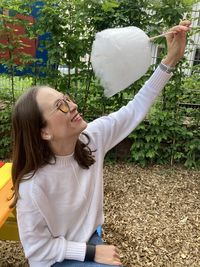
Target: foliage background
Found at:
170, 133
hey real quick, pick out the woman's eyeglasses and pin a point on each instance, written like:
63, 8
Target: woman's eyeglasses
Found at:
62, 104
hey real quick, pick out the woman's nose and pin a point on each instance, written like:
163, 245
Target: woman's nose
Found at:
72, 106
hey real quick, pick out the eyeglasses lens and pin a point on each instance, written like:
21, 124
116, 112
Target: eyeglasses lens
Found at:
64, 107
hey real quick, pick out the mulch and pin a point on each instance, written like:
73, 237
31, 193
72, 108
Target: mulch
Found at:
152, 215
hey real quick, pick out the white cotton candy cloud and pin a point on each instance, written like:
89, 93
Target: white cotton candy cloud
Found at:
119, 57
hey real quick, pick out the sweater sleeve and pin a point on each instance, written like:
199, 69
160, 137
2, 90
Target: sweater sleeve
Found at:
41, 247
115, 127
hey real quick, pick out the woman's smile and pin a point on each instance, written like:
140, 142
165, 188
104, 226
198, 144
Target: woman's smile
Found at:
76, 117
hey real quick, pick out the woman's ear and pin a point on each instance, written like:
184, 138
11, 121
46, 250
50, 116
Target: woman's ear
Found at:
45, 134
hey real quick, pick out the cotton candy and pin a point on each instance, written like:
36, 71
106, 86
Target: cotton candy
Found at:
119, 57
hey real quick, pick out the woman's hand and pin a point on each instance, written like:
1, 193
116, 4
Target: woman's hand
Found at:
107, 254
176, 42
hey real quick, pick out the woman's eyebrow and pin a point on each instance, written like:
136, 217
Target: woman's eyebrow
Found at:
57, 100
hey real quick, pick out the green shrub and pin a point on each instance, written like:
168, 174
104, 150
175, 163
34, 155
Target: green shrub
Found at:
5, 132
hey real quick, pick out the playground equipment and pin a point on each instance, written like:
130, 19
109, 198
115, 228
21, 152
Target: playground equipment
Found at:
8, 224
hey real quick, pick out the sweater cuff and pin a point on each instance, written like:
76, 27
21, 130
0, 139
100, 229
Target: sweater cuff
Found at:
159, 79
75, 251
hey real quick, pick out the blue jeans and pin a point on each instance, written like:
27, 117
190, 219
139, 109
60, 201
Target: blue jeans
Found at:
95, 239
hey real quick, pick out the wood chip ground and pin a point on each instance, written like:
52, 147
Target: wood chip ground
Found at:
152, 214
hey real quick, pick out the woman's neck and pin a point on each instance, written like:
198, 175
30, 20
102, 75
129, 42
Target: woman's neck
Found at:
63, 147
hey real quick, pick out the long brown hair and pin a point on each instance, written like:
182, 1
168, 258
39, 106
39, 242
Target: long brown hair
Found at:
30, 151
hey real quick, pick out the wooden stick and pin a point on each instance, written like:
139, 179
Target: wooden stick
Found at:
165, 33
160, 35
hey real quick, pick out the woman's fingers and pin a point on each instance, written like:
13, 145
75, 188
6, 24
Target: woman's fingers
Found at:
176, 42
179, 28
186, 23
183, 27
117, 263
107, 254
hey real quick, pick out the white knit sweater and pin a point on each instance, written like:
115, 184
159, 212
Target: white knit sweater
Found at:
62, 205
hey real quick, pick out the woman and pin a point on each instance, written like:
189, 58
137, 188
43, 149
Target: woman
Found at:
58, 165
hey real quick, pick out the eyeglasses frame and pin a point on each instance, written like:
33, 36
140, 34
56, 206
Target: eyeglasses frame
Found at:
66, 98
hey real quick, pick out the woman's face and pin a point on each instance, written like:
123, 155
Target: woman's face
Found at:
65, 125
